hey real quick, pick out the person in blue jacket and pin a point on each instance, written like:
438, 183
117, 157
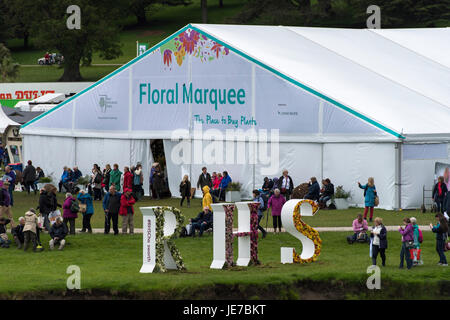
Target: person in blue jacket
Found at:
226, 180
85, 198
441, 230
370, 192
313, 190
202, 222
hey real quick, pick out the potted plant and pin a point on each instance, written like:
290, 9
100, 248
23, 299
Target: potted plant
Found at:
82, 182
43, 181
233, 192
340, 198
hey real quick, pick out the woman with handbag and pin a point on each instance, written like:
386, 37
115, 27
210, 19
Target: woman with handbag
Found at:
370, 197
441, 230
379, 242
407, 243
86, 209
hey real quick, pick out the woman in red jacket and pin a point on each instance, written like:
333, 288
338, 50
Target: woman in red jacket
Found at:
127, 179
127, 211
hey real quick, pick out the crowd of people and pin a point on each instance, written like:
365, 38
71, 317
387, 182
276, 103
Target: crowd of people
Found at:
412, 239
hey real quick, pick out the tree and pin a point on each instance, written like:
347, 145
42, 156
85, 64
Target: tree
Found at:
8, 68
137, 8
99, 32
204, 6
20, 18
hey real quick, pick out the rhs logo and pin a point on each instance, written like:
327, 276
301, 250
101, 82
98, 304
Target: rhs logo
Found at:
105, 102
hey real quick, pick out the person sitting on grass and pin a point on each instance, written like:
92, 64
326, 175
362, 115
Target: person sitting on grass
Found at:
202, 222
58, 232
4, 241
29, 229
360, 228
17, 233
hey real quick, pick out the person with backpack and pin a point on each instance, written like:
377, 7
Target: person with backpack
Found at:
138, 182
418, 239
370, 193
257, 198
71, 208
441, 230
379, 242
407, 243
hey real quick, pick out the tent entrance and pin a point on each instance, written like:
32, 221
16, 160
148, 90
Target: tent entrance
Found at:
160, 186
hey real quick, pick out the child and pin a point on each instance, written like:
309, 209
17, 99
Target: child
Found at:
4, 241
418, 238
29, 229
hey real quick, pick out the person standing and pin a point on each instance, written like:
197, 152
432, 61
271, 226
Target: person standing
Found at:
418, 238
29, 176
286, 185
10, 176
257, 198
5, 204
127, 211
115, 176
96, 181
185, 191
204, 179
86, 199
138, 181
439, 193
106, 177
379, 242
29, 229
127, 179
70, 213
407, 243
441, 230
276, 202
224, 183
370, 194
111, 207
207, 198
158, 181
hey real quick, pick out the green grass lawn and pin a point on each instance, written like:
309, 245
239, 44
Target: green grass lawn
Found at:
53, 73
112, 263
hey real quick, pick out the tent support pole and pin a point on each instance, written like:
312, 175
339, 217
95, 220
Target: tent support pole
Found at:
398, 176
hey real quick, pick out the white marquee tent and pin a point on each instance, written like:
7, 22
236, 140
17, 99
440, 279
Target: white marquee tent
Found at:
349, 104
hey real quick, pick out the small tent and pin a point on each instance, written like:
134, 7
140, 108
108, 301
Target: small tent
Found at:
343, 104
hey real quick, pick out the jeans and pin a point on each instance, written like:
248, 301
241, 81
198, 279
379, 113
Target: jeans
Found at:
440, 244
324, 199
87, 222
188, 200
10, 190
259, 226
440, 205
115, 220
200, 226
71, 222
46, 221
276, 223
405, 254
97, 194
375, 250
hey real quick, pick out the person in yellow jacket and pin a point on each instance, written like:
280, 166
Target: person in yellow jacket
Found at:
207, 199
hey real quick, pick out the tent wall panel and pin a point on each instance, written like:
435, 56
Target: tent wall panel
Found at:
419, 173
346, 164
50, 153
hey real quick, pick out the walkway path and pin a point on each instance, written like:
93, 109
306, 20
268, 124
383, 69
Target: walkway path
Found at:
320, 229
